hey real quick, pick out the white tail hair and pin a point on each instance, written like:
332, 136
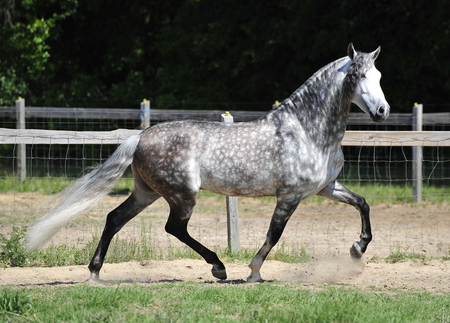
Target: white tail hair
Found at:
84, 192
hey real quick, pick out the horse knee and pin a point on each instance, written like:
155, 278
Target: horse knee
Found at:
113, 223
170, 229
176, 229
364, 207
178, 220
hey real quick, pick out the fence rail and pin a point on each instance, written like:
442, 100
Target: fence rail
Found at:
54, 137
351, 138
158, 115
416, 139
21, 137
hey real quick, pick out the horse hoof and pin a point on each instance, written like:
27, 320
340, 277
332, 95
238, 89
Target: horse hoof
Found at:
94, 279
355, 251
256, 279
219, 273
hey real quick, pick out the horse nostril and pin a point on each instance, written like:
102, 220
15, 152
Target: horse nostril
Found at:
381, 110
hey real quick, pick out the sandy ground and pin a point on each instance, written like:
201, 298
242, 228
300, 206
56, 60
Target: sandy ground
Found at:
432, 276
326, 231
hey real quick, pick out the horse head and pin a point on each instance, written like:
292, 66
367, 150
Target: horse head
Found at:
368, 95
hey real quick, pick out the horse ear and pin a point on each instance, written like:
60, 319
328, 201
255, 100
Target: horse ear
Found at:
375, 53
351, 51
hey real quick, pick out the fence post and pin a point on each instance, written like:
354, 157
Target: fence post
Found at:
417, 154
232, 210
22, 148
145, 114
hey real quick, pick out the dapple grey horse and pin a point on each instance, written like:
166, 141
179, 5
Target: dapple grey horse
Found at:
292, 153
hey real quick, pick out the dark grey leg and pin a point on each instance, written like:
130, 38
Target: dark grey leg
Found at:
283, 211
115, 221
337, 192
180, 214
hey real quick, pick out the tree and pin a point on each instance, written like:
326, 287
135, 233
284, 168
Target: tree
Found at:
214, 54
25, 30
240, 52
106, 55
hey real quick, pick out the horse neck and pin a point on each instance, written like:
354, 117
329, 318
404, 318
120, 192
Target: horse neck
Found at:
319, 104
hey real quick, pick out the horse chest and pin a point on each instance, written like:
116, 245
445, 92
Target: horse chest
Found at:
312, 169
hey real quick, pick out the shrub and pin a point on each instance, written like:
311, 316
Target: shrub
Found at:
13, 252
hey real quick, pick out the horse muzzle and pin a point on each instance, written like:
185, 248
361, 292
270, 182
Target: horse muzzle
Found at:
381, 113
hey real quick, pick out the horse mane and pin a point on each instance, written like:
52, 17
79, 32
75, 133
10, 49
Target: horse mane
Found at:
362, 62
321, 84
310, 92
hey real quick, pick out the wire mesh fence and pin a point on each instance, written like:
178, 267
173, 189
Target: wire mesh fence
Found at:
319, 227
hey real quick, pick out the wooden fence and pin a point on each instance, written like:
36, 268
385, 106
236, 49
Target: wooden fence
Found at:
157, 115
22, 136
351, 138
415, 121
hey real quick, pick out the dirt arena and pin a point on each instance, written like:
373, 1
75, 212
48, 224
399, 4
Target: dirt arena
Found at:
326, 230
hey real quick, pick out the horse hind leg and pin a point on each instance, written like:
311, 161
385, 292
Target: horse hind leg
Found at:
337, 192
142, 197
281, 215
180, 214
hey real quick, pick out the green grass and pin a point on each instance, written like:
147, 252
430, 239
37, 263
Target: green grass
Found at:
51, 185
201, 302
34, 185
140, 248
14, 303
374, 194
205, 302
400, 254
394, 194
143, 248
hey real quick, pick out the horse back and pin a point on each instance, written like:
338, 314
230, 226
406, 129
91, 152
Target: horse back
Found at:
238, 159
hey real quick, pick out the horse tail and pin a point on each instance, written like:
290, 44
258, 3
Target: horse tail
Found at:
84, 192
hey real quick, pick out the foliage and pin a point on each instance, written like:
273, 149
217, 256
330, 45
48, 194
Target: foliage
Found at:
139, 249
13, 252
220, 54
265, 55
24, 55
60, 255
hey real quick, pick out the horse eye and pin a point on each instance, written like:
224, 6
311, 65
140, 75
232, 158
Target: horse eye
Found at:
363, 76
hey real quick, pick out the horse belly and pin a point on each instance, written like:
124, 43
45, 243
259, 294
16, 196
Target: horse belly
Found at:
237, 182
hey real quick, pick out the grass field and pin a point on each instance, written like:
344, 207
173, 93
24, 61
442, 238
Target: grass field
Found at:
375, 194
200, 302
206, 301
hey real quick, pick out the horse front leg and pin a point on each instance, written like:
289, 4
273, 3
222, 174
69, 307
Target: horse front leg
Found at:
337, 192
281, 215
